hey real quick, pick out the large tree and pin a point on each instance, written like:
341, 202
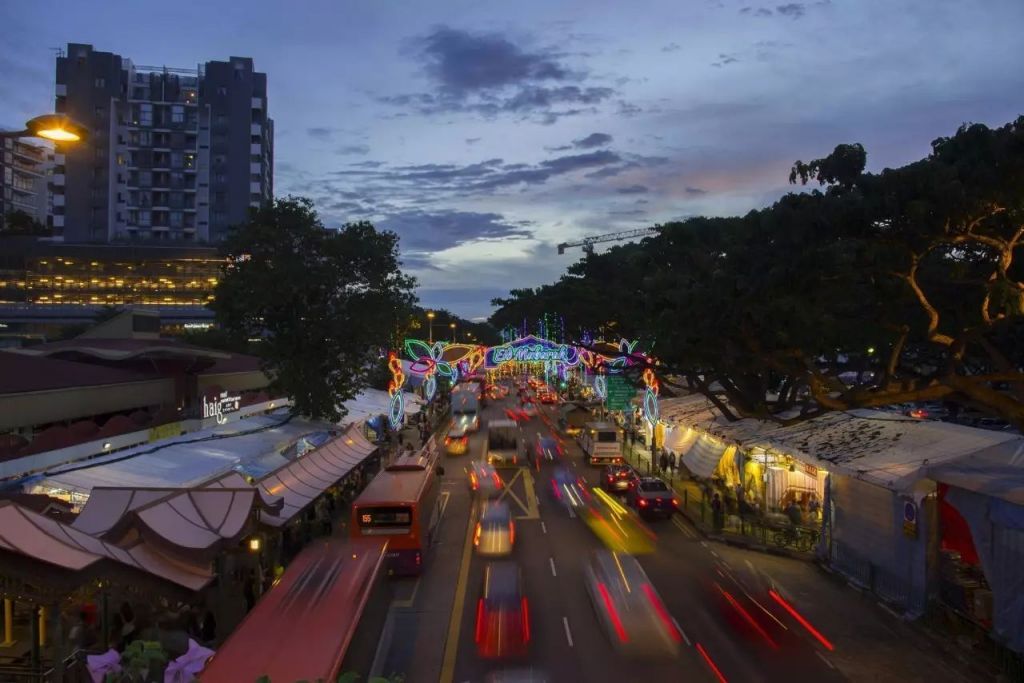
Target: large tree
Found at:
898, 286
324, 302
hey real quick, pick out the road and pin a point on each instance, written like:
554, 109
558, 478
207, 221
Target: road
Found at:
739, 621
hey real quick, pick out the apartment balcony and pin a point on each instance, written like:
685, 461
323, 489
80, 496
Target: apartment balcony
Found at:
58, 220
57, 179
257, 103
255, 148
256, 129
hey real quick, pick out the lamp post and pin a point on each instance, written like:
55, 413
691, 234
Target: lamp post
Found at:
55, 127
452, 325
430, 317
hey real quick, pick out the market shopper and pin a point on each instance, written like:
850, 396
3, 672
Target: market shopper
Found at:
717, 512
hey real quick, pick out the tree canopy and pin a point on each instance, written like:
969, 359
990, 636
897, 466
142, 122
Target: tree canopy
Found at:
323, 302
897, 286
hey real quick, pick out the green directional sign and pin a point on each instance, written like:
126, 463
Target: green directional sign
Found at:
620, 393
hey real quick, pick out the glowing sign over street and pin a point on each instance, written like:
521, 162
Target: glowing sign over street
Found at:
532, 349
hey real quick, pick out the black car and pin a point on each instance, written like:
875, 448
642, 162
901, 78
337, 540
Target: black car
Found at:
652, 497
617, 478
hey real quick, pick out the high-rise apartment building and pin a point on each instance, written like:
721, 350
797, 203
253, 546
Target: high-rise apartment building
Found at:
172, 154
24, 171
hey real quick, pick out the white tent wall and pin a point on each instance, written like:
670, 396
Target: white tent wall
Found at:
868, 543
997, 529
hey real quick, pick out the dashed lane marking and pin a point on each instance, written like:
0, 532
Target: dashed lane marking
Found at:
551, 561
543, 527
825, 659
568, 633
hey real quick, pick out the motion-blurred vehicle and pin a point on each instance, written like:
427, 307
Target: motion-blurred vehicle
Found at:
484, 480
629, 608
465, 413
502, 613
529, 409
619, 528
495, 533
568, 488
516, 676
548, 397
505, 447
617, 478
456, 445
652, 497
548, 448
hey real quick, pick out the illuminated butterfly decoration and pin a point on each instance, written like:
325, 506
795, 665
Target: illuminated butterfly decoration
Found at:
428, 359
396, 410
651, 410
601, 387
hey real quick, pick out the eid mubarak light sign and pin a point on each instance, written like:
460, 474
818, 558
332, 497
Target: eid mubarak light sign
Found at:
531, 349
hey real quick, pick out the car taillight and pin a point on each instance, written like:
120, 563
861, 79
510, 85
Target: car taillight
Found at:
479, 619
472, 481
526, 622
476, 535
613, 613
447, 440
558, 491
511, 533
659, 608
419, 558
498, 483
675, 502
643, 502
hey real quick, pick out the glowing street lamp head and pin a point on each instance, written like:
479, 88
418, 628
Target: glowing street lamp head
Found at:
431, 314
56, 127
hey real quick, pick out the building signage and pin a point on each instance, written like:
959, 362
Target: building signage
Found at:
532, 350
220, 405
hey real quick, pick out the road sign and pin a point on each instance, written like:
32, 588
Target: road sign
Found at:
620, 393
909, 519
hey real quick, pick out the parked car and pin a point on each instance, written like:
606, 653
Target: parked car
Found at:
617, 478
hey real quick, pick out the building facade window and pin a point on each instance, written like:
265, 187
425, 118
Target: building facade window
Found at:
177, 114
100, 82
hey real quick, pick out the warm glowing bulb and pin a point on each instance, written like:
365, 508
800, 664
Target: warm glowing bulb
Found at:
58, 135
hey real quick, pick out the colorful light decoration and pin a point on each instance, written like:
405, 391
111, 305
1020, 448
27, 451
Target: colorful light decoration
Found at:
396, 410
430, 387
651, 410
601, 387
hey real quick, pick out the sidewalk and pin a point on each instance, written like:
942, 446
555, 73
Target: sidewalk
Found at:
695, 506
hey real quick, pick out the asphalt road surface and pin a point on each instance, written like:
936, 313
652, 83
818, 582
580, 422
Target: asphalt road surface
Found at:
738, 622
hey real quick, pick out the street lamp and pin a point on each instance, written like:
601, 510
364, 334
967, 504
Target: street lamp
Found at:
55, 127
452, 325
430, 317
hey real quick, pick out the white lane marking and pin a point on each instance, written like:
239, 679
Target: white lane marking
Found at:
681, 631
568, 633
765, 610
551, 561
825, 659
572, 515
751, 565
543, 527
714, 553
704, 544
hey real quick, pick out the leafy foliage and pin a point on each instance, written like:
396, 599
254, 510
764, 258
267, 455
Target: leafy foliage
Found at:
323, 301
18, 222
881, 288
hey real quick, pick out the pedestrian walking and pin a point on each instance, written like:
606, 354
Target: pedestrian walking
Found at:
672, 461
663, 462
717, 512
249, 591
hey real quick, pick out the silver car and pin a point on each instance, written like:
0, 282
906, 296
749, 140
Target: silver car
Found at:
495, 532
629, 608
484, 480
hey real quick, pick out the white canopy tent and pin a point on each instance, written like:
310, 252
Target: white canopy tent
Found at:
372, 402
187, 460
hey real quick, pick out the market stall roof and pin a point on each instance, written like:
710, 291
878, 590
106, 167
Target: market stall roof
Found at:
995, 472
884, 448
27, 533
372, 402
196, 520
185, 461
300, 482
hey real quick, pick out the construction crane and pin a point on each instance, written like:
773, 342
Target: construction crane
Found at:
588, 242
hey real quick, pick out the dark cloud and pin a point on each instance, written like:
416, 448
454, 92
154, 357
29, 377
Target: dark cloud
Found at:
695, 191
353, 149
628, 109
724, 59
424, 231
672, 47
632, 189
593, 140
764, 12
488, 75
472, 141
575, 162
794, 10
320, 133
627, 212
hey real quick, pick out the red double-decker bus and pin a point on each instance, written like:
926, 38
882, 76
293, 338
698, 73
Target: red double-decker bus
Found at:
401, 505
